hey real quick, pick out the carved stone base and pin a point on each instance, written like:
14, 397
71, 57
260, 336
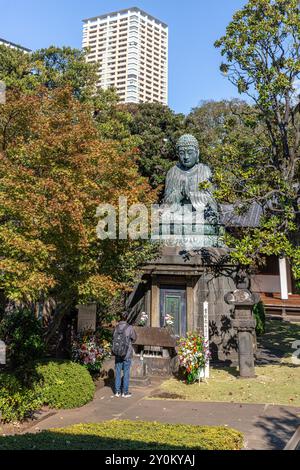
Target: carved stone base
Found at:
140, 381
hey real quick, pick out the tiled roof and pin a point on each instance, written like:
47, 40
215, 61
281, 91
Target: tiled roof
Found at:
250, 218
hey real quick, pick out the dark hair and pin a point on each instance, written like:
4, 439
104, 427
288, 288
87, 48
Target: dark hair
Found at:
124, 316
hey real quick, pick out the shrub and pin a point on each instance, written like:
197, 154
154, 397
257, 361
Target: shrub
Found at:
22, 333
65, 384
260, 317
17, 401
126, 435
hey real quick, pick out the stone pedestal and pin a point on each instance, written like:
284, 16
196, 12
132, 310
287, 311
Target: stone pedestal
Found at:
194, 277
138, 373
244, 324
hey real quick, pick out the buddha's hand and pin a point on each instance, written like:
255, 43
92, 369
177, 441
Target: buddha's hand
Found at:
182, 189
200, 198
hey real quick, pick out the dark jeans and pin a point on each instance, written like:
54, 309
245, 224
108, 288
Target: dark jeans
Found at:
120, 365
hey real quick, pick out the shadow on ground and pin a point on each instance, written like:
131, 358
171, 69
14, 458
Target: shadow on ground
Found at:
278, 430
277, 342
49, 440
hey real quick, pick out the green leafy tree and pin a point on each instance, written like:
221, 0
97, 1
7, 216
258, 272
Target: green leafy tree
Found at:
157, 128
261, 58
214, 122
113, 119
59, 67
52, 67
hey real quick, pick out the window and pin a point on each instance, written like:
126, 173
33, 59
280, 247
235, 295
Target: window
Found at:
132, 97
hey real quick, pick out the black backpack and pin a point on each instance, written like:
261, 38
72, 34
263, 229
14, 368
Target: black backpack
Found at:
121, 342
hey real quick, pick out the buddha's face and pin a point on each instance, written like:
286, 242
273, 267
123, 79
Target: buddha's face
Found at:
188, 156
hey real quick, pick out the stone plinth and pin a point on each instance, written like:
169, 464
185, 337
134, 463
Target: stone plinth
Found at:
138, 373
204, 275
244, 323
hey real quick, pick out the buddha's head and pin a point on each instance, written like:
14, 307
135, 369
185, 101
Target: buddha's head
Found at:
187, 148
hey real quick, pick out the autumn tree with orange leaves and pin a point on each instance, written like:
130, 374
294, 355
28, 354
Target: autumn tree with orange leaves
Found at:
54, 172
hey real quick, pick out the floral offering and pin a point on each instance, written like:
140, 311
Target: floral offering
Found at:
193, 353
144, 319
169, 320
90, 350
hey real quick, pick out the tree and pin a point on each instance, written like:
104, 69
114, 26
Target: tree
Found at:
54, 172
52, 67
55, 68
113, 119
213, 121
157, 128
261, 51
59, 67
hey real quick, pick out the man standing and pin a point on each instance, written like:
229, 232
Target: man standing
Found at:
124, 336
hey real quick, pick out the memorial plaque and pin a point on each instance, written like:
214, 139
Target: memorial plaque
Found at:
86, 317
2, 353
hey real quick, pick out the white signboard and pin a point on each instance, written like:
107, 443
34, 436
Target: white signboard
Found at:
2, 353
206, 333
86, 318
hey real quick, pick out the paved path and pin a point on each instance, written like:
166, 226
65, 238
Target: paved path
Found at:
264, 426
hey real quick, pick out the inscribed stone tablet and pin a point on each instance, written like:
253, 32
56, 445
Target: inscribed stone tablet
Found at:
86, 317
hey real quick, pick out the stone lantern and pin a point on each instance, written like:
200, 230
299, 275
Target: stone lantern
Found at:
244, 323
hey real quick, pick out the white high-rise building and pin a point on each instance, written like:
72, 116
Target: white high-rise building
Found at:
12, 45
131, 49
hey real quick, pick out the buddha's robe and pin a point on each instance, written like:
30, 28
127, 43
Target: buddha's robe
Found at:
182, 187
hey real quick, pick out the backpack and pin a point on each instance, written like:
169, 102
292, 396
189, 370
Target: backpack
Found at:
121, 342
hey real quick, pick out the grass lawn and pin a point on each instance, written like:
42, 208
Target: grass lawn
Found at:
121, 435
277, 382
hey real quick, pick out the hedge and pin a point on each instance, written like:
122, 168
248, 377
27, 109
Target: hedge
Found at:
130, 435
58, 384
17, 401
65, 384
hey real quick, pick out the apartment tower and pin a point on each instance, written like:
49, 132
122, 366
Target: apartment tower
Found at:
131, 50
12, 45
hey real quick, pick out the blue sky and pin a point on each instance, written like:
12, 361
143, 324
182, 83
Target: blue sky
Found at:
194, 25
